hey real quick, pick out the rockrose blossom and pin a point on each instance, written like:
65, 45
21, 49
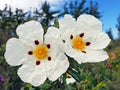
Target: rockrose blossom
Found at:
40, 56
84, 39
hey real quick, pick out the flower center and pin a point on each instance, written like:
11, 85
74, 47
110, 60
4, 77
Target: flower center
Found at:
78, 43
40, 52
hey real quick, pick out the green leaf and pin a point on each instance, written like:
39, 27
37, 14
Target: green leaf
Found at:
56, 23
74, 74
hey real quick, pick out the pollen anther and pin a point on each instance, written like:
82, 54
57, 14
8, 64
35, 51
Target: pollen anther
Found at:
49, 58
71, 36
37, 62
36, 42
30, 52
82, 35
88, 43
48, 46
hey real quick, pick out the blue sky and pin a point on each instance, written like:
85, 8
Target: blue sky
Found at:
110, 9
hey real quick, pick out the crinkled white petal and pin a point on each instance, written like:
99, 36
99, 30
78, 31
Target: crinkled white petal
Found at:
56, 45
93, 56
90, 55
53, 32
16, 52
30, 31
90, 28
57, 66
53, 37
96, 55
59, 62
101, 41
67, 24
33, 74
89, 24
70, 51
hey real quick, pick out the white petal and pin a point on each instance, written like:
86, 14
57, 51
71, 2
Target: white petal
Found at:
57, 66
30, 31
89, 56
101, 41
53, 36
95, 56
15, 52
59, 63
53, 32
67, 24
73, 52
89, 23
30, 73
67, 21
55, 43
70, 80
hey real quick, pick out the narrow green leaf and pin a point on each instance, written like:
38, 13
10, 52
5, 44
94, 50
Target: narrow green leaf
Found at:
74, 74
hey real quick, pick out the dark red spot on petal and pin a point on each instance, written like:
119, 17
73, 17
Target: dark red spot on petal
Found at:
36, 42
84, 51
71, 37
30, 52
37, 62
88, 43
82, 35
49, 58
48, 46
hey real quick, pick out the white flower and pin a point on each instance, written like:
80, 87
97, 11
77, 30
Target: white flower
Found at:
84, 39
41, 56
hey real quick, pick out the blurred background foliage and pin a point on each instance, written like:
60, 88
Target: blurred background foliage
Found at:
89, 76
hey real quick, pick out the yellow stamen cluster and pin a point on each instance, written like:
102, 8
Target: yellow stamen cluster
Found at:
40, 52
78, 43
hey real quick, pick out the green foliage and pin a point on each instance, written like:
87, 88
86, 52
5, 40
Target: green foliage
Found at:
76, 8
9, 21
44, 15
109, 32
93, 9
